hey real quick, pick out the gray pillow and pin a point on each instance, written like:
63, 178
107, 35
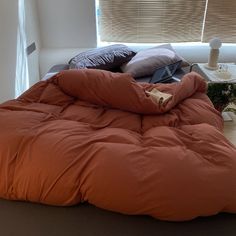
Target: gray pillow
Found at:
105, 58
145, 62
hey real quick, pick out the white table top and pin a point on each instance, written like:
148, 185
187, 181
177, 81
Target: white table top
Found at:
217, 75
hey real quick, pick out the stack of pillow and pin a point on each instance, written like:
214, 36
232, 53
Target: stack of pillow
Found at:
121, 58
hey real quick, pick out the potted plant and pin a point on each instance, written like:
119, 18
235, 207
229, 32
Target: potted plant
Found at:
222, 94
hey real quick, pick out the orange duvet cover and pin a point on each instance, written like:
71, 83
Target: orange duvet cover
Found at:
96, 136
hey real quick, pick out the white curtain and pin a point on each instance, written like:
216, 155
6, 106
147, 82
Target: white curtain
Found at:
22, 75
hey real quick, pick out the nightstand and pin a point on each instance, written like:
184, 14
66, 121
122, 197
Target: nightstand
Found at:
225, 74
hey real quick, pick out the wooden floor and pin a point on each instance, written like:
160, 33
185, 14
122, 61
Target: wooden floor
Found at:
230, 129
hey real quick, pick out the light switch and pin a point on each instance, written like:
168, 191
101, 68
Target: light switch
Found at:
31, 48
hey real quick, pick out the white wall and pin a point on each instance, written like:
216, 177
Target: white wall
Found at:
33, 35
8, 39
67, 23
8, 45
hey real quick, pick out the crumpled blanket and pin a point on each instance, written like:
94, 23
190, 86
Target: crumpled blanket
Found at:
96, 136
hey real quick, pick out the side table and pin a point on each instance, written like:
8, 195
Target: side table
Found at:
216, 76
221, 85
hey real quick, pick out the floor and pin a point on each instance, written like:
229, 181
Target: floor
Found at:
27, 219
230, 129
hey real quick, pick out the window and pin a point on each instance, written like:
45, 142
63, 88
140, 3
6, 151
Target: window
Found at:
159, 21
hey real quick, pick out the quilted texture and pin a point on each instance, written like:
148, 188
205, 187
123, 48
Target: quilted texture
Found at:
90, 135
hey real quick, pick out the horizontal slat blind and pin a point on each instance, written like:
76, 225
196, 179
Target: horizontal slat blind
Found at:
146, 21
220, 21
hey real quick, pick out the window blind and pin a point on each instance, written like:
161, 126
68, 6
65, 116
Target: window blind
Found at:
146, 21
220, 21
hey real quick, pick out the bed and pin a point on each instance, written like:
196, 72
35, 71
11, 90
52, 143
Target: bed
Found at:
96, 136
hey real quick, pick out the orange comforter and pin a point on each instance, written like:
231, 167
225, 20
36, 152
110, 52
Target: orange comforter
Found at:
95, 136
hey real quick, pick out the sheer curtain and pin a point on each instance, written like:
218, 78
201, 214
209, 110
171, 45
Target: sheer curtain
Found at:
22, 75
